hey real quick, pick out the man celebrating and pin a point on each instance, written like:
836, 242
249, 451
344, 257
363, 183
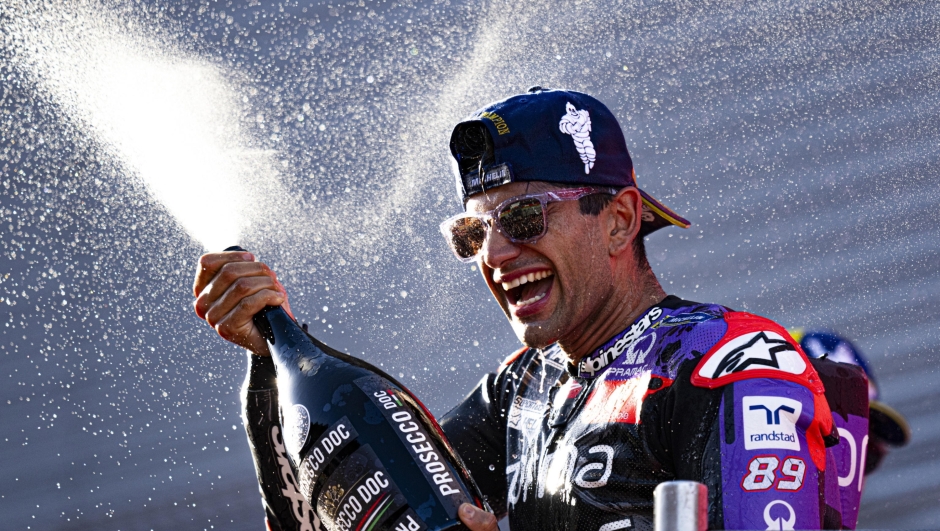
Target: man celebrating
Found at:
619, 387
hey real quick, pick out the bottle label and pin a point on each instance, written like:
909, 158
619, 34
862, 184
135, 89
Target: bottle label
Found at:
427, 455
359, 494
322, 453
409, 521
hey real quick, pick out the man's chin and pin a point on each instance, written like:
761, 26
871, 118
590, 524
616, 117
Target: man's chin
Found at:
534, 335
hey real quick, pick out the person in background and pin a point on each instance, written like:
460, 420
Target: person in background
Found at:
866, 428
886, 427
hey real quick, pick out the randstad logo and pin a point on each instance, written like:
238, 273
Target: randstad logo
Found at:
770, 422
774, 436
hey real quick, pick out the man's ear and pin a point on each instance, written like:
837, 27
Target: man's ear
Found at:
624, 220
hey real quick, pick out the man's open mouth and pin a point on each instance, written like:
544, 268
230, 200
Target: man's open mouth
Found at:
528, 289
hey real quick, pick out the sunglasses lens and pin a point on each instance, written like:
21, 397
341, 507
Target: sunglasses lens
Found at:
466, 236
523, 220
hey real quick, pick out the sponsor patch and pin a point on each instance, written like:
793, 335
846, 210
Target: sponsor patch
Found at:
782, 518
492, 177
525, 414
770, 422
624, 342
754, 347
621, 401
296, 429
685, 319
757, 350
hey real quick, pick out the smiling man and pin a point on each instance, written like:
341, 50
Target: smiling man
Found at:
619, 387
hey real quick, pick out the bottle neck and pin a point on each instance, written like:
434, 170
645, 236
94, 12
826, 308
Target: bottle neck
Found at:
263, 320
280, 330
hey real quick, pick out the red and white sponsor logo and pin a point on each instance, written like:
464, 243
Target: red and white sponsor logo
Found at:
620, 400
762, 474
754, 347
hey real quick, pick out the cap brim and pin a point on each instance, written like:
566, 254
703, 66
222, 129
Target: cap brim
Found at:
657, 215
887, 424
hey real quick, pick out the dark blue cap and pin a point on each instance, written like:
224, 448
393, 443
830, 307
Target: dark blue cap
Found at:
555, 136
885, 422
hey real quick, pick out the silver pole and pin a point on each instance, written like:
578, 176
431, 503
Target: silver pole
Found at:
680, 506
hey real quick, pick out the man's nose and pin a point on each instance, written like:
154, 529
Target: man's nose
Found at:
497, 249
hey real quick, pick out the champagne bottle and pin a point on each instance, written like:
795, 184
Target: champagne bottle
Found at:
366, 453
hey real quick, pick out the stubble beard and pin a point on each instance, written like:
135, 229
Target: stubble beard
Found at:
534, 335
542, 333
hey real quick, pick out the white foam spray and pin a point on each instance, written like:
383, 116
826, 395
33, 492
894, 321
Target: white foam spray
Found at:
171, 119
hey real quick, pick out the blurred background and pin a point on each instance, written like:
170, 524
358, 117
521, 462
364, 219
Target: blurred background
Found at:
801, 138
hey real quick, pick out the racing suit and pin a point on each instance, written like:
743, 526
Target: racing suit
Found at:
689, 391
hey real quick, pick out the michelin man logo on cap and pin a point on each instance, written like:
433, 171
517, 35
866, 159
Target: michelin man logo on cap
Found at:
577, 123
524, 138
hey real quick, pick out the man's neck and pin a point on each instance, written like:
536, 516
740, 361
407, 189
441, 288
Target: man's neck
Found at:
624, 306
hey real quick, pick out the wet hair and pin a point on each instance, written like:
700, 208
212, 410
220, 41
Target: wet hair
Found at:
594, 204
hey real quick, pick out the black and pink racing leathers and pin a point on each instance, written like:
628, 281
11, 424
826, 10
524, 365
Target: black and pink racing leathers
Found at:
689, 391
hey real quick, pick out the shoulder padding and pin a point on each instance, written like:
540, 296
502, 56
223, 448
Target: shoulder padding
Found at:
755, 347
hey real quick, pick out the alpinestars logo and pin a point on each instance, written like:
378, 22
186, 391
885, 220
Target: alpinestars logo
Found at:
770, 422
300, 509
756, 350
577, 123
597, 361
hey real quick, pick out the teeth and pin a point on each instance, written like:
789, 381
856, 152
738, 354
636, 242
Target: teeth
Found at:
530, 301
531, 277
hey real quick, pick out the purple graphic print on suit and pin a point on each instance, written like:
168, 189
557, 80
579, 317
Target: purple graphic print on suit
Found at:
850, 458
769, 479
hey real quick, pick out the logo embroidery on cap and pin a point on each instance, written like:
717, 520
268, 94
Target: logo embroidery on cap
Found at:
578, 124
